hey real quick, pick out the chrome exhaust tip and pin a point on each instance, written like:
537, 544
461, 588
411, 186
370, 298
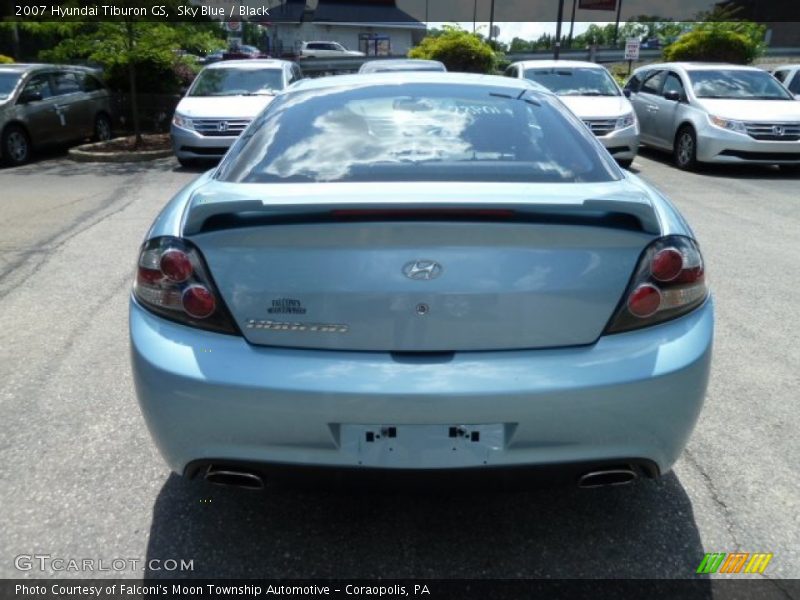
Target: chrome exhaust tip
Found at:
230, 477
607, 477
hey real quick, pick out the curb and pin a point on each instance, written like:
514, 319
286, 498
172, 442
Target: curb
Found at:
86, 153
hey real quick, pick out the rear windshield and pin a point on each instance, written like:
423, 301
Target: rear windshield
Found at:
8, 81
574, 81
416, 132
737, 84
237, 82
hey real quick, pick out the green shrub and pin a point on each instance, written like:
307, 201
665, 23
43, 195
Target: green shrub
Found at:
459, 50
5, 60
713, 44
153, 76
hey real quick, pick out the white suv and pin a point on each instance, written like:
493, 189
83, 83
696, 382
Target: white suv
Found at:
325, 50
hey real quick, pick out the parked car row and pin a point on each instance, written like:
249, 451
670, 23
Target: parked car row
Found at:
700, 112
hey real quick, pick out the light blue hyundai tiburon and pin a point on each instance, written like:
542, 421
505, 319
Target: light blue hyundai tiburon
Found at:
409, 272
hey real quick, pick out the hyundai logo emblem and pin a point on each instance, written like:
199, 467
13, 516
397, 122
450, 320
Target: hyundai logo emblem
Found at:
422, 270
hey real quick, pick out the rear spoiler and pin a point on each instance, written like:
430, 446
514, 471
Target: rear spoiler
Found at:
212, 201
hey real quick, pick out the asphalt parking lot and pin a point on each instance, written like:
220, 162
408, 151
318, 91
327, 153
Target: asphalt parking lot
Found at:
80, 477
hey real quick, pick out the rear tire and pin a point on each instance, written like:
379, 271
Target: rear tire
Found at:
102, 128
684, 153
16, 145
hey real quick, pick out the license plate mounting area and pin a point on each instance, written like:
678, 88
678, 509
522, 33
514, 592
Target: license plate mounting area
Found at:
422, 446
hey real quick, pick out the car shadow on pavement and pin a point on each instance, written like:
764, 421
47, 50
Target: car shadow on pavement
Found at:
738, 171
644, 530
200, 167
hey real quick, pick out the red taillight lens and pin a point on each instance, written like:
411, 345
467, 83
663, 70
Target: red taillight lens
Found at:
667, 264
175, 264
644, 301
669, 282
172, 281
198, 302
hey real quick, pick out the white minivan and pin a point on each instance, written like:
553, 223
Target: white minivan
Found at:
589, 91
222, 101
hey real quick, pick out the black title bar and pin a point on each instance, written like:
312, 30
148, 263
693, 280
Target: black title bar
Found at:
397, 11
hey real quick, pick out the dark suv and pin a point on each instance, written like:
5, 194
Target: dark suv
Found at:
44, 105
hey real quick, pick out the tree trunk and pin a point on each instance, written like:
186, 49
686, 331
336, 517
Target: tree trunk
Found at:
17, 55
137, 130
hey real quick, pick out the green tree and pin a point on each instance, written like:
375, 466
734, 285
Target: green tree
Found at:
544, 41
718, 39
458, 49
520, 45
716, 45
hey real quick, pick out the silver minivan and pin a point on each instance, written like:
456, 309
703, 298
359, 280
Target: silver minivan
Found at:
43, 105
716, 113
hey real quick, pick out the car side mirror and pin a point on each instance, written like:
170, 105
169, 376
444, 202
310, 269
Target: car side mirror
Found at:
672, 95
28, 97
626, 92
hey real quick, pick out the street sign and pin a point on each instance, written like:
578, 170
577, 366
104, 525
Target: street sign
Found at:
495, 32
632, 46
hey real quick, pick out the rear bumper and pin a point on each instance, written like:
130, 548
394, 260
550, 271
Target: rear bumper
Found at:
211, 397
515, 477
623, 144
189, 144
715, 145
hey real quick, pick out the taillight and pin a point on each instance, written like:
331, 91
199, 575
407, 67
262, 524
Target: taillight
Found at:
669, 282
172, 281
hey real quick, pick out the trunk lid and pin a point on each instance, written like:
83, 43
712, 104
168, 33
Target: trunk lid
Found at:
489, 269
